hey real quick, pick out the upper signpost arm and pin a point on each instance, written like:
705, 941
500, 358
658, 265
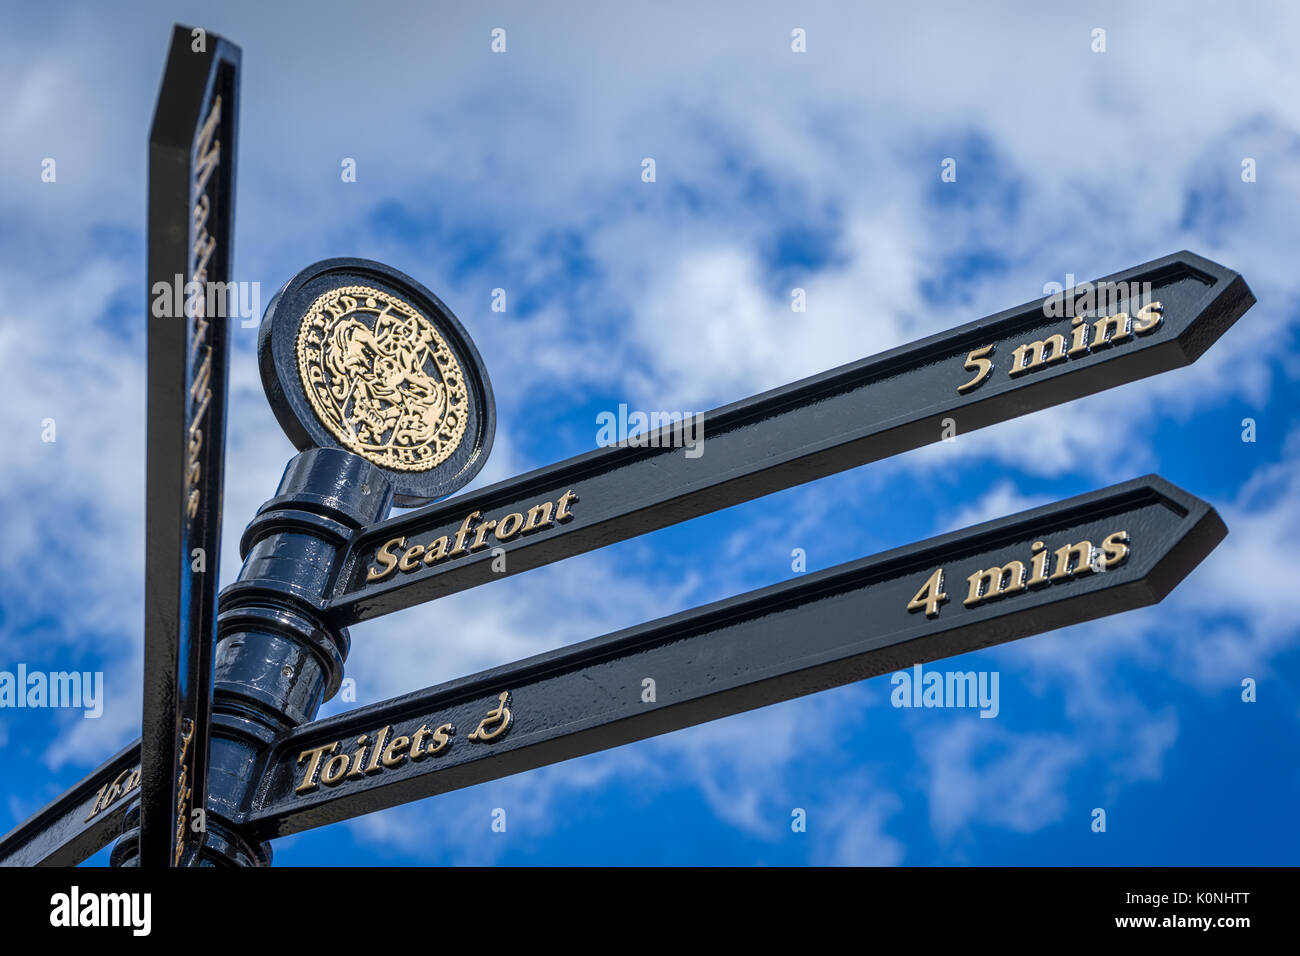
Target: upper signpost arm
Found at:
1133, 324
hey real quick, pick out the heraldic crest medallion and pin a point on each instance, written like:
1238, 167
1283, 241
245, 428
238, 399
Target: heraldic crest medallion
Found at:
381, 379
356, 355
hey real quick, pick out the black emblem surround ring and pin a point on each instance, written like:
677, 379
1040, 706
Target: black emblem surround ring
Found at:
278, 351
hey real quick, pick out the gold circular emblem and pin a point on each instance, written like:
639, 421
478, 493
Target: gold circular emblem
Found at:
381, 379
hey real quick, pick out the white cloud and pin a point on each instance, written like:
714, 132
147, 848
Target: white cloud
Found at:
851, 829
1001, 500
979, 773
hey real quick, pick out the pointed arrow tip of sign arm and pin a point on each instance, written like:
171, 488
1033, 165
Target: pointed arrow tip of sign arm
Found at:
1226, 300
1203, 532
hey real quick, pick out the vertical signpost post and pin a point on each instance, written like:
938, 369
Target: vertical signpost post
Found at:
191, 220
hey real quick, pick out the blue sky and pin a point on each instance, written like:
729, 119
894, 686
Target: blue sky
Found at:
774, 170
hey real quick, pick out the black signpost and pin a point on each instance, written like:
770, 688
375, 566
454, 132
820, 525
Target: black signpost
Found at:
191, 227
383, 392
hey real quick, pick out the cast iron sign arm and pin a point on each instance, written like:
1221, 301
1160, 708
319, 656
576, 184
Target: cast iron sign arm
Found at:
1165, 315
81, 822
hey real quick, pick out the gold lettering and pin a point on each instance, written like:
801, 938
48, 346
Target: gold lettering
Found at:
930, 596
393, 752
441, 738
334, 769
1079, 338
386, 558
309, 781
1115, 547
380, 743
483, 529
359, 757
417, 741
325, 765
539, 516
94, 807
1102, 327
1041, 355
1148, 317
497, 719
202, 209
183, 792
1039, 575
979, 363
995, 582
1082, 550
502, 533
204, 246
459, 547
410, 560
110, 793
542, 515
202, 378
437, 550
562, 512
208, 148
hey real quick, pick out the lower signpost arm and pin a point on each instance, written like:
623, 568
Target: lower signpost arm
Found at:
1098, 554
81, 822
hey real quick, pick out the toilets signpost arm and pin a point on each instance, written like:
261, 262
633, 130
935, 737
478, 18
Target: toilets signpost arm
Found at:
1095, 555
